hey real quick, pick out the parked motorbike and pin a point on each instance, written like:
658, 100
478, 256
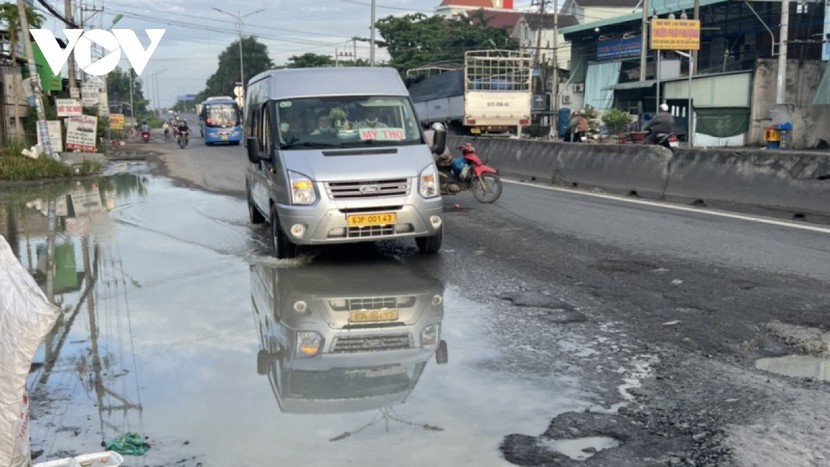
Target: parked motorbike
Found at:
145, 136
469, 173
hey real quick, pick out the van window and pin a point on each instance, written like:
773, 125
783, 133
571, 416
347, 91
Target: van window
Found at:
265, 135
346, 121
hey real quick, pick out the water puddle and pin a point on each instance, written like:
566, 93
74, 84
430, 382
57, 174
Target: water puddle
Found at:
177, 325
581, 448
797, 366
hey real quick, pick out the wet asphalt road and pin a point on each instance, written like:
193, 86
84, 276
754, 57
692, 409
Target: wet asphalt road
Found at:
578, 330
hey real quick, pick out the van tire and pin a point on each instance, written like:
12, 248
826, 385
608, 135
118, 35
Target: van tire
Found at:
430, 245
254, 215
283, 248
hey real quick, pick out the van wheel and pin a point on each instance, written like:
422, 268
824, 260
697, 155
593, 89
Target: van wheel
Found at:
254, 215
283, 248
430, 245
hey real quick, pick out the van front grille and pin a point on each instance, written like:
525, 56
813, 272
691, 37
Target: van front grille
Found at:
370, 231
372, 343
368, 189
368, 303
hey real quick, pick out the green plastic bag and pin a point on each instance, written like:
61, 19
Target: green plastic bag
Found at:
129, 444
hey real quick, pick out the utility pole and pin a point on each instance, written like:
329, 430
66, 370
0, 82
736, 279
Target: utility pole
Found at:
780, 88
555, 117
70, 62
42, 129
372, 37
644, 43
697, 17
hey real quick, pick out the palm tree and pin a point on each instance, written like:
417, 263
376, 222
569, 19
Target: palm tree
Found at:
10, 19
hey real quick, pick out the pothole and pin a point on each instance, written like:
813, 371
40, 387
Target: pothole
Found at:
797, 366
581, 448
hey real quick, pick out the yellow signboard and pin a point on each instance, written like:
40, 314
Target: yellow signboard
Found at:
675, 34
116, 121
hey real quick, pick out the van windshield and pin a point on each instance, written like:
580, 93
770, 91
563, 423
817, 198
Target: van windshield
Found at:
346, 122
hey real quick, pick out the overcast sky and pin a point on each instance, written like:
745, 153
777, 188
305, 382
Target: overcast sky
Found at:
196, 33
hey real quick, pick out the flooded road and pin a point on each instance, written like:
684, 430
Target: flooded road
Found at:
178, 325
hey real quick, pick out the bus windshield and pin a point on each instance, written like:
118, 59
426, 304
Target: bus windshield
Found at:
221, 115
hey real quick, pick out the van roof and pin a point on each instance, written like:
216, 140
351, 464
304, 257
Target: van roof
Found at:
308, 82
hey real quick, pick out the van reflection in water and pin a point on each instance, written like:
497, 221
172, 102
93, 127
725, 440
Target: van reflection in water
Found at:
345, 338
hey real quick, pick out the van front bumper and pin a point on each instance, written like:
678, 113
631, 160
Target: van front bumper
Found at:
322, 224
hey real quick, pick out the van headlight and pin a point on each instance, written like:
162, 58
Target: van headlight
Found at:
302, 190
430, 336
428, 182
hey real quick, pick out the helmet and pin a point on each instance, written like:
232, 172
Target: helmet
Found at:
466, 148
664, 107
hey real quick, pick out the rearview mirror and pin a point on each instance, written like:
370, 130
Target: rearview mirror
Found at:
439, 138
254, 156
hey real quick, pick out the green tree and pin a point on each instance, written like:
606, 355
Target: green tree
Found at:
309, 60
255, 60
417, 40
118, 92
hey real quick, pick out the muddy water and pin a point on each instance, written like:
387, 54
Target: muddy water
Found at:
177, 325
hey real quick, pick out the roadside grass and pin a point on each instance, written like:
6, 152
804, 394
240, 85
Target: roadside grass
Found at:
15, 167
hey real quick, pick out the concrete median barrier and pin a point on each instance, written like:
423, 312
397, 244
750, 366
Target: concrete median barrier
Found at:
767, 179
796, 182
618, 169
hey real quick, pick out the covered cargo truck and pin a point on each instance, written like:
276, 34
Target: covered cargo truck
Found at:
489, 93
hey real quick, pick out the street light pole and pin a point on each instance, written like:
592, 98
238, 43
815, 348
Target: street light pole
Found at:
372, 37
239, 26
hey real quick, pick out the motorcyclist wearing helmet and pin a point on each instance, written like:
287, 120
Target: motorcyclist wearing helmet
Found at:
577, 126
183, 129
661, 124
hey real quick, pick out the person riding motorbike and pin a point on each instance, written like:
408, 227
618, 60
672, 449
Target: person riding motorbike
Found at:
659, 126
183, 129
577, 126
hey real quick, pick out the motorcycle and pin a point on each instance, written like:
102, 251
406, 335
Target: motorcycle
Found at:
469, 173
182, 138
145, 136
667, 140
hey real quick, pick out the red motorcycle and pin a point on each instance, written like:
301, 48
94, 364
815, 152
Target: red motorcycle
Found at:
469, 173
145, 136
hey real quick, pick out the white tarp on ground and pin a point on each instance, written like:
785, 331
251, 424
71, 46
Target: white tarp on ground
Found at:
26, 316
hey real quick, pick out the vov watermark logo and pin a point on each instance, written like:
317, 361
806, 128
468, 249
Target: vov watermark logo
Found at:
115, 42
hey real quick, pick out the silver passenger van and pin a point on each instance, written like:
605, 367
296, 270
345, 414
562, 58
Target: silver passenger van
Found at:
337, 156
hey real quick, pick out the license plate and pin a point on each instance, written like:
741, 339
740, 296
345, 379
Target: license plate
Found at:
673, 144
224, 137
368, 316
475, 131
361, 220
380, 372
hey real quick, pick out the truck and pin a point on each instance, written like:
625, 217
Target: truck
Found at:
490, 93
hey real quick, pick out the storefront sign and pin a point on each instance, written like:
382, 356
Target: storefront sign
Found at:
618, 48
116, 121
675, 34
80, 133
68, 107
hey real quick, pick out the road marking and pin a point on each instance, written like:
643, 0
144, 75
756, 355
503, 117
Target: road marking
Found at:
664, 205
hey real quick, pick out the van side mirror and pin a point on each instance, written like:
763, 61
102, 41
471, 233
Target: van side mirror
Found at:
439, 139
254, 156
